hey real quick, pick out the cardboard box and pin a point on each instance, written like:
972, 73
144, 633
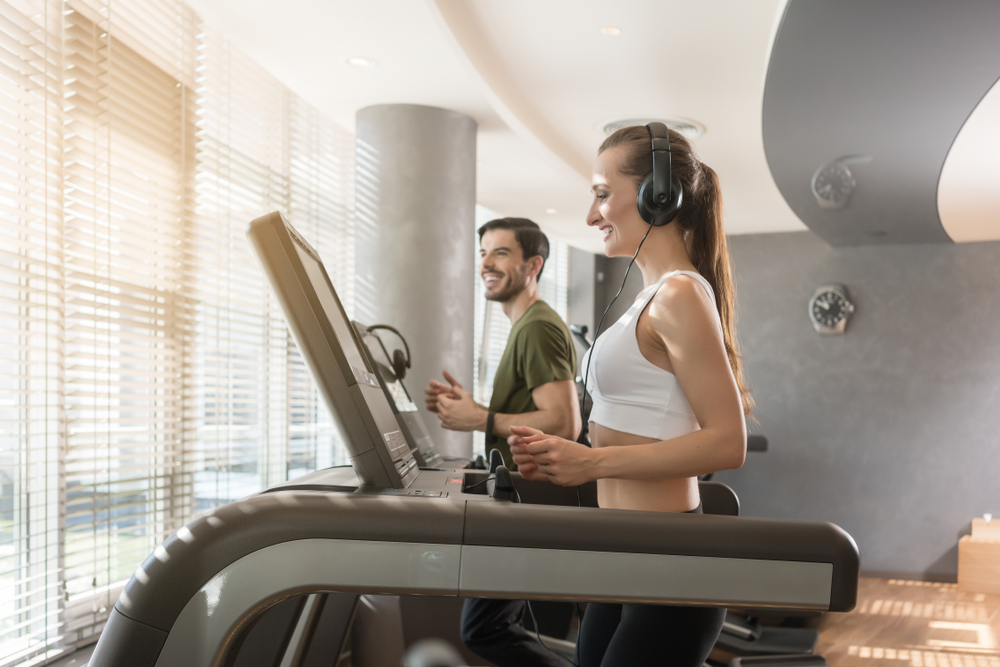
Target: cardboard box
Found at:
986, 531
979, 563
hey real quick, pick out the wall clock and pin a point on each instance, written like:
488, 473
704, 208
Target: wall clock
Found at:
829, 309
833, 183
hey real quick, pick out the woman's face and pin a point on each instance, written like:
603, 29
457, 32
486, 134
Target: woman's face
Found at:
613, 210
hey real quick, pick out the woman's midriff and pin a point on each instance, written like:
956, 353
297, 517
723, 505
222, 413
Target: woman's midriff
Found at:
664, 495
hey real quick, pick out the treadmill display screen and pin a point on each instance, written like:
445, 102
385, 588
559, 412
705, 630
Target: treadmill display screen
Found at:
394, 440
332, 349
338, 320
399, 397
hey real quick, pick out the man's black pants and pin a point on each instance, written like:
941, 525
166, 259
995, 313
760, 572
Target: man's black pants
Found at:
494, 630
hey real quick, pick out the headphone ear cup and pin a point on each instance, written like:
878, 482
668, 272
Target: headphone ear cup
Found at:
649, 211
644, 197
399, 364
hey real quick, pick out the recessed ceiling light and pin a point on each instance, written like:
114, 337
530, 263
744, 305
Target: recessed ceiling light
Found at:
358, 61
691, 129
611, 30
551, 211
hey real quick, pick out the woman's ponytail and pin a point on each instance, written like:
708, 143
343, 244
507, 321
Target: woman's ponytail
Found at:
709, 252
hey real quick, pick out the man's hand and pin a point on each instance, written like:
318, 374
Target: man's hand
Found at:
458, 411
437, 389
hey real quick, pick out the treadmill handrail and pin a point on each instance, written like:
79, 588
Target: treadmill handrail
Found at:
495, 524
187, 560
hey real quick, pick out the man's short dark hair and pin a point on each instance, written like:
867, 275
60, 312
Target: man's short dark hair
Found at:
528, 235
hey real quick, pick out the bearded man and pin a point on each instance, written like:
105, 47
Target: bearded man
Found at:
534, 383
534, 386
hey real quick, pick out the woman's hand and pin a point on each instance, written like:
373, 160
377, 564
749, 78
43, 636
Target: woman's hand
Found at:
546, 457
525, 463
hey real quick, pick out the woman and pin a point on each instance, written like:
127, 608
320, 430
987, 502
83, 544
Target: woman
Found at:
669, 400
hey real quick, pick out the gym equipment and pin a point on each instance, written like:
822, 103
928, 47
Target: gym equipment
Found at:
411, 424
401, 361
201, 596
201, 588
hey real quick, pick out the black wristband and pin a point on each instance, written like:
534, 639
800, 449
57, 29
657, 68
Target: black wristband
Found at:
490, 437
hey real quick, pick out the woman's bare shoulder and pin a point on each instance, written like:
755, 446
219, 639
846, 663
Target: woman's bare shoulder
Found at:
681, 301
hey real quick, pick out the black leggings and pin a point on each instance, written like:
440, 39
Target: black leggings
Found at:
614, 635
645, 634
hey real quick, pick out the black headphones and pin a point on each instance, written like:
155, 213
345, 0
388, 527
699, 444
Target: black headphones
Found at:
400, 362
660, 195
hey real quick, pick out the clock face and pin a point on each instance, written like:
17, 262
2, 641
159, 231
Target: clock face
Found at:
829, 308
832, 184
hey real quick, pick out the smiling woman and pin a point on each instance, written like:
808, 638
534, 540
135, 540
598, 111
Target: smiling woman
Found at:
669, 401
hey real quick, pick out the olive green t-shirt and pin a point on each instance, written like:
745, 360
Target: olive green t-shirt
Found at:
539, 350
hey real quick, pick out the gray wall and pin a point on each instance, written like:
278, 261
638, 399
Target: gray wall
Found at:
608, 275
891, 431
580, 301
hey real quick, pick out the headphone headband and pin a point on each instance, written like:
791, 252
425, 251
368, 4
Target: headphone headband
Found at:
399, 362
660, 196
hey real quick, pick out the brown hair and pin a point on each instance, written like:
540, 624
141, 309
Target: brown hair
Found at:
527, 233
700, 219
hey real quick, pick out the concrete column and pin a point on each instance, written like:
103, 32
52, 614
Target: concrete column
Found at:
415, 244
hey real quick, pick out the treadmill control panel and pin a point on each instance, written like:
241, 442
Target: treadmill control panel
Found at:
364, 377
417, 493
399, 397
396, 442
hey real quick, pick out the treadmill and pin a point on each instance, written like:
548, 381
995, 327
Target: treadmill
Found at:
308, 547
411, 424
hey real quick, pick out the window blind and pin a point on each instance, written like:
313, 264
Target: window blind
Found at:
321, 202
127, 131
32, 433
239, 362
146, 372
258, 417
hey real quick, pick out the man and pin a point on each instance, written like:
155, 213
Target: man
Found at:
534, 386
534, 383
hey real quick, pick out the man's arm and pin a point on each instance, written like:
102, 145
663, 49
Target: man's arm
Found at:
558, 412
545, 362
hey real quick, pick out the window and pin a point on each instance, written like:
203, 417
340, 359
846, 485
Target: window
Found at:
146, 372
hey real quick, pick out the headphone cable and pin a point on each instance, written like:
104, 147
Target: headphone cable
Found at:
593, 346
538, 636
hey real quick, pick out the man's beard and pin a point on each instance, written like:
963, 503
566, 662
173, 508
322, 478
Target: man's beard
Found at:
516, 284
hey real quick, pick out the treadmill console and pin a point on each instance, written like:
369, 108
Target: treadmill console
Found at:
410, 422
343, 373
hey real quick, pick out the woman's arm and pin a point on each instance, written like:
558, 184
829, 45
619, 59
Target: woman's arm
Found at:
682, 320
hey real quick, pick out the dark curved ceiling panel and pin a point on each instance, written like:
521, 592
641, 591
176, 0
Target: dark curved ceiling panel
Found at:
891, 81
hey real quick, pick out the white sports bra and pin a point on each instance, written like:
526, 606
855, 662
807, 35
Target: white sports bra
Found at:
631, 394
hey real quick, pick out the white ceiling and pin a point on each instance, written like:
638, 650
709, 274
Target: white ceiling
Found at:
540, 78
969, 188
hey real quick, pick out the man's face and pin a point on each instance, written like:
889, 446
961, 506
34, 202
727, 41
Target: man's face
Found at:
504, 272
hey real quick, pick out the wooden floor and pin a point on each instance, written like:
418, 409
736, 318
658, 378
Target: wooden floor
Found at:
900, 623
